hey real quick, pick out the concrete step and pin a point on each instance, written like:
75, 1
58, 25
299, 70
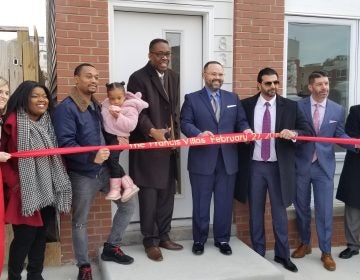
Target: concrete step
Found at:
133, 234
243, 264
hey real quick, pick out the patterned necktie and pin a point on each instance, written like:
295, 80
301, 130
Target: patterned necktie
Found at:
316, 119
215, 104
266, 128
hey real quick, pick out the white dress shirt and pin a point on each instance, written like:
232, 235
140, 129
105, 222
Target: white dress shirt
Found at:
258, 121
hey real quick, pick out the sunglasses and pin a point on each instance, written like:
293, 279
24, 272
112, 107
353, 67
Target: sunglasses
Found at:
276, 83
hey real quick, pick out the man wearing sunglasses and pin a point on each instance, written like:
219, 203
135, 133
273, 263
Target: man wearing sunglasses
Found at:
269, 165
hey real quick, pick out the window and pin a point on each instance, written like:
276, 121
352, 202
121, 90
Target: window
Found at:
318, 46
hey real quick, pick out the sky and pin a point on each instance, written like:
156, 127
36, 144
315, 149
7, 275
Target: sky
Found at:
23, 13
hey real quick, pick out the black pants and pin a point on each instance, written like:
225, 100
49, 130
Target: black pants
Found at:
29, 241
116, 170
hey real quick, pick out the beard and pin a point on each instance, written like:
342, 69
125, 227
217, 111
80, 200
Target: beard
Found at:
215, 84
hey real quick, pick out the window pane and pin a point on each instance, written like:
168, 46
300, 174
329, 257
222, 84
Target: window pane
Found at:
313, 46
174, 40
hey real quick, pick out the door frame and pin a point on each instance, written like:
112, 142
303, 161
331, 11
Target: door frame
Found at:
217, 23
206, 11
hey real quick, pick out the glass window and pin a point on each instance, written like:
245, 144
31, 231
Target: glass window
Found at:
174, 39
318, 46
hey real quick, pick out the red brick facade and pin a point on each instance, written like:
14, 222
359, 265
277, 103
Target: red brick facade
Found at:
82, 36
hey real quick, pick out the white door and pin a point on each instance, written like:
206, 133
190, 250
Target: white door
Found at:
133, 32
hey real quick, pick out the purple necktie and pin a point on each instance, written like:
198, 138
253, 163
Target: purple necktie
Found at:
266, 128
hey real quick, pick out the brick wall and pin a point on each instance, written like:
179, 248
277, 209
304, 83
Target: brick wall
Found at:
259, 43
82, 36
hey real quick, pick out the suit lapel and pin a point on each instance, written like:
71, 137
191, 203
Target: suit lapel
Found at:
306, 108
223, 102
326, 115
279, 113
250, 108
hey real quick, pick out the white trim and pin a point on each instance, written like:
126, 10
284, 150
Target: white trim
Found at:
346, 9
206, 11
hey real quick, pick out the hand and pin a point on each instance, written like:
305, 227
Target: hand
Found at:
288, 134
4, 156
206, 133
102, 155
114, 113
248, 131
123, 140
159, 134
357, 146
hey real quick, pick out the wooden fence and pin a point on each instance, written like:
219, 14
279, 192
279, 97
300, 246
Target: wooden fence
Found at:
19, 58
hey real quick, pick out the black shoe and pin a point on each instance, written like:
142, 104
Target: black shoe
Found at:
287, 263
84, 272
348, 253
115, 254
34, 277
224, 248
198, 248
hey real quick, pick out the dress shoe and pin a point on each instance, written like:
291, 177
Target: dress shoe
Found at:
198, 248
224, 248
328, 262
348, 253
154, 253
287, 263
170, 245
301, 251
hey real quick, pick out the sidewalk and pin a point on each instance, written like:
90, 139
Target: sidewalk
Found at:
310, 267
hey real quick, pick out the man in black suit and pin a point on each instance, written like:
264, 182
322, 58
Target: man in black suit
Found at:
348, 190
269, 165
154, 170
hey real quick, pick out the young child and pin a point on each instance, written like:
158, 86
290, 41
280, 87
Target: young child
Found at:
120, 111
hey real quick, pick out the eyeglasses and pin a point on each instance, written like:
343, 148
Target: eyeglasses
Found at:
268, 84
162, 54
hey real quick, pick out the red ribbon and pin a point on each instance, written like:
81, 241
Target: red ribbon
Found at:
194, 141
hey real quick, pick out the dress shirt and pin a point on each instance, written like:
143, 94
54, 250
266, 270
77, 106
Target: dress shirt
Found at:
217, 96
321, 108
258, 121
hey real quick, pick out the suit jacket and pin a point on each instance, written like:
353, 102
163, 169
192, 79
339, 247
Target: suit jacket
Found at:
197, 115
152, 168
348, 190
332, 126
288, 116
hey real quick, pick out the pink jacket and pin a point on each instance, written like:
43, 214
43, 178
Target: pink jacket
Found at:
128, 117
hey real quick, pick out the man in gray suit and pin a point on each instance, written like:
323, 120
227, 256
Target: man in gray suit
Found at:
315, 165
